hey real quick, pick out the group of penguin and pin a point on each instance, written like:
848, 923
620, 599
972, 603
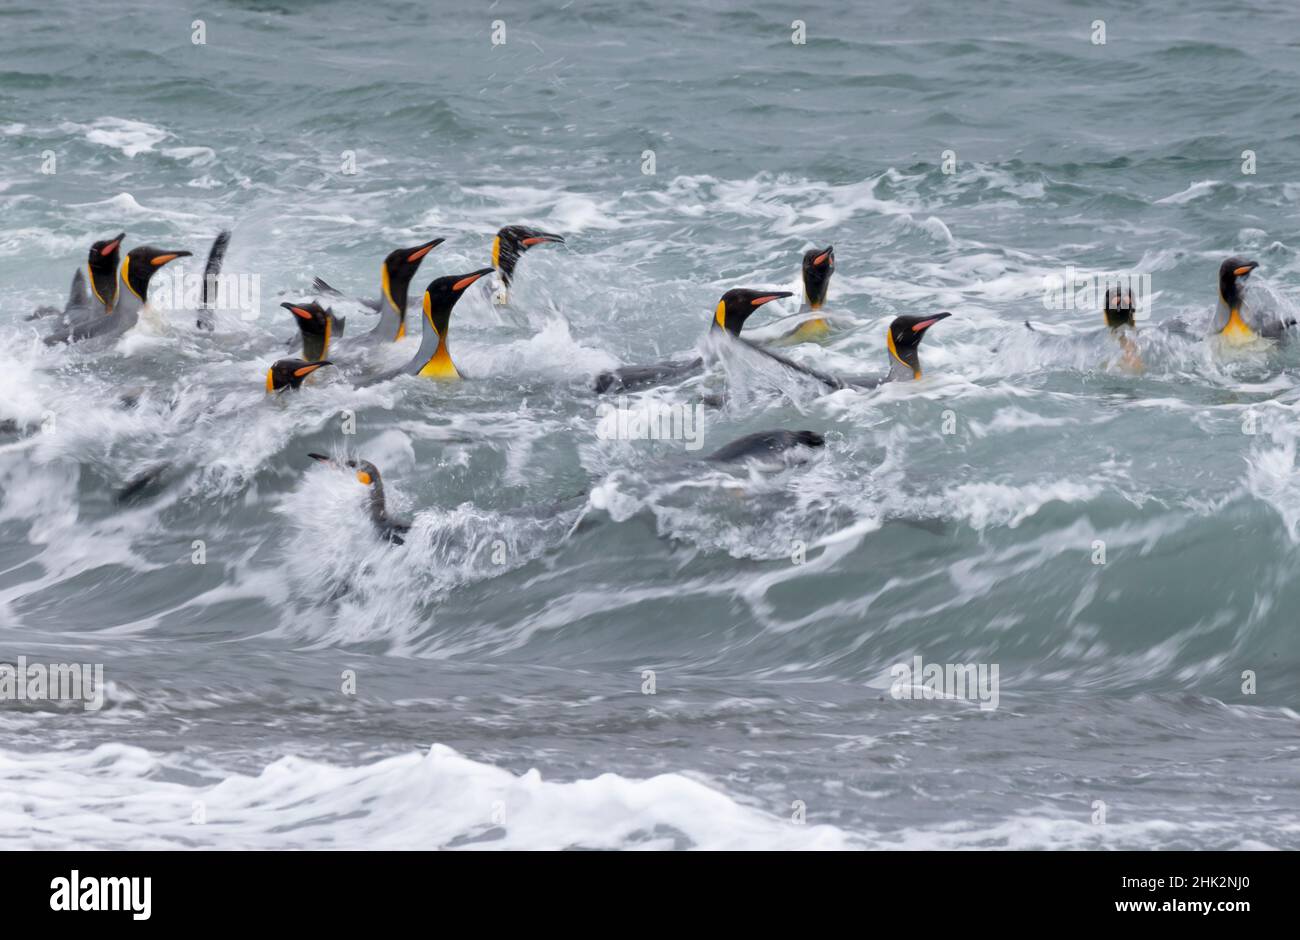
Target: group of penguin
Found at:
106, 300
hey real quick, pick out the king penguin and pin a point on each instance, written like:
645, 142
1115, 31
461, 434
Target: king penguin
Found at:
132, 296
507, 248
729, 316
395, 276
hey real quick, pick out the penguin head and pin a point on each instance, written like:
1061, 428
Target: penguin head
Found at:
738, 303
318, 326
1118, 308
1232, 279
143, 263
904, 338
290, 373
313, 319
399, 267
818, 265
367, 474
441, 295
511, 242
105, 256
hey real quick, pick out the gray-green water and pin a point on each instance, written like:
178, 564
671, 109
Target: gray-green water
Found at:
957, 519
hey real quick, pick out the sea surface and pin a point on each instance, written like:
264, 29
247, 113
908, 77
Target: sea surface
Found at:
603, 643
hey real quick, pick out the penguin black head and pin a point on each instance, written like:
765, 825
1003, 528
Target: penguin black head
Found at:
1119, 308
318, 326
399, 267
738, 303
104, 258
904, 338
143, 263
441, 295
367, 473
290, 373
1232, 279
818, 265
511, 242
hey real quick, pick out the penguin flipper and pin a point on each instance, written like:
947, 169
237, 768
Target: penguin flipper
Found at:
340, 323
216, 255
828, 380
629, 378
319, 286
77, 296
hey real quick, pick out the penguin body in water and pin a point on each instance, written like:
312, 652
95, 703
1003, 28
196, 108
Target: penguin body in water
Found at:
765, 444
367, 474
433, 359
1235, 322
818, 266
395, 276
318, 327
137, 269
507, 248
101, 273
729, 316
903, 340
291, 373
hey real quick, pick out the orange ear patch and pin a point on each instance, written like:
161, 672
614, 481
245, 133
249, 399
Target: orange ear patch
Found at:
363, 477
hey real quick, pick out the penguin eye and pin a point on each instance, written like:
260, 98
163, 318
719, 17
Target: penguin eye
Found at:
363, 477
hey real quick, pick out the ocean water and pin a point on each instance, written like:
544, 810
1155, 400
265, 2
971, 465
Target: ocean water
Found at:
487, 684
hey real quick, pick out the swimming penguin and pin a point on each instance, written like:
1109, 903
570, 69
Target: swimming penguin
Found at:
433, 359
511, 242
290, 373
101, 269
318, 326
729, 316
818, 266
903, 339
389, 529
765, 444
395, 276
1234, 319
132, 296
1119, 310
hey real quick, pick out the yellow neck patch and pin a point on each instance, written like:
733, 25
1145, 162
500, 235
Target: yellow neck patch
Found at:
1237, 329
126, 276
893, 351
496, 252
108, 305
720, 314
440, 366
388, 290
270, 380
